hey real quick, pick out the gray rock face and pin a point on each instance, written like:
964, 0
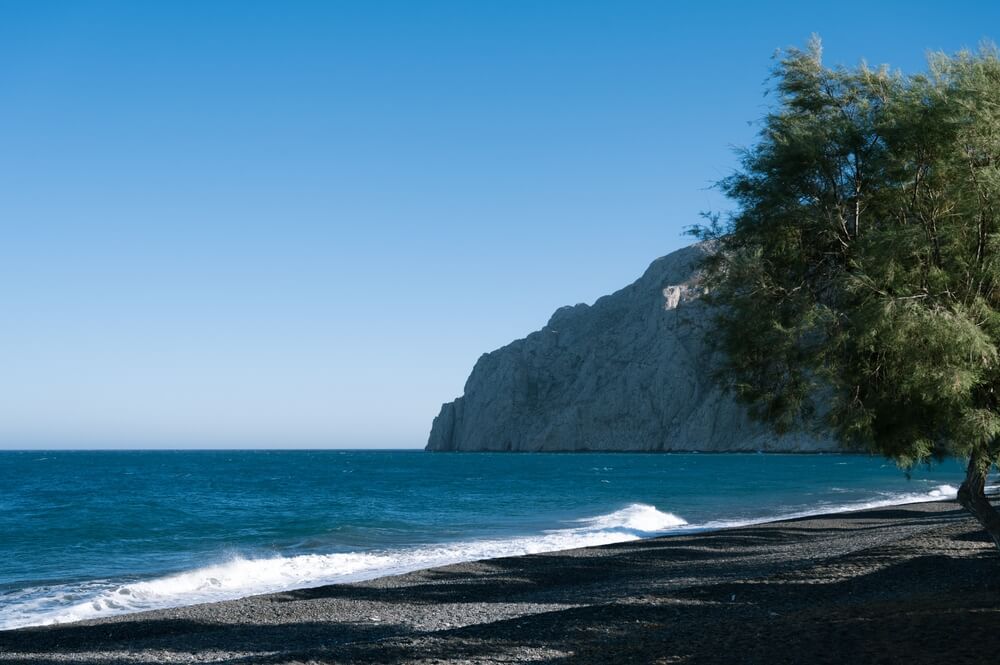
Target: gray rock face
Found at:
630, 373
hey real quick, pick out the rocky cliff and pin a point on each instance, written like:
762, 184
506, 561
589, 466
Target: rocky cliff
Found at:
629, 373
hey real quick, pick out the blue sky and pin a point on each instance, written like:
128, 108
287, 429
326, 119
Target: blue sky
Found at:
296, 224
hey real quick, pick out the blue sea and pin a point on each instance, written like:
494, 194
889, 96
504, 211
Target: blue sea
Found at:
92, 534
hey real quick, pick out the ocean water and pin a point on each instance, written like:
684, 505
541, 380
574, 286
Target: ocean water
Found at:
91, 534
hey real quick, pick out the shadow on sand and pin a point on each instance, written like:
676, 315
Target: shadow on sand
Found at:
708, 598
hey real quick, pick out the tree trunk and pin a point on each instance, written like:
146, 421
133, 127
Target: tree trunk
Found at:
972, 496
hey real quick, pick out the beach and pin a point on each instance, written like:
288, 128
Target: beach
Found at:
913, 584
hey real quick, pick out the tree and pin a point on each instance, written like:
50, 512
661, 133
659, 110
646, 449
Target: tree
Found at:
857, 283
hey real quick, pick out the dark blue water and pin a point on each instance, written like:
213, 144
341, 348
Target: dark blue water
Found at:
86, 534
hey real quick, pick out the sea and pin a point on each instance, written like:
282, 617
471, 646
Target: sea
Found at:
87, 534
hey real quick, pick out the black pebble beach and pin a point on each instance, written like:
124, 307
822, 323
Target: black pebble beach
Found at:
910, 584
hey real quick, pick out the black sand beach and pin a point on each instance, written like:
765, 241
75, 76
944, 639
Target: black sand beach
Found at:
909, 584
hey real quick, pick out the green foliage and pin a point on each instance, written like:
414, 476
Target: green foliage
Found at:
858, 283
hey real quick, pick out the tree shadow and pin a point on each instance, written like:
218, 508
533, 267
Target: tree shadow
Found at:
106, 642
925, 610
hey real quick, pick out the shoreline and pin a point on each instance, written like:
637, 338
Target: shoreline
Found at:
915, 569
516, 546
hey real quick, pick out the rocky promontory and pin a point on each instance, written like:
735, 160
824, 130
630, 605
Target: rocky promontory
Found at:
632, 372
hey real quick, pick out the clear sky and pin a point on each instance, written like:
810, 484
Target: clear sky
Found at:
292, 224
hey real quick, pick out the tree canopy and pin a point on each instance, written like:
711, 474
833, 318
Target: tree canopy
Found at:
858, 280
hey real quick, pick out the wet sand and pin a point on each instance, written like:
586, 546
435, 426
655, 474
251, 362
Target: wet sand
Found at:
911, 584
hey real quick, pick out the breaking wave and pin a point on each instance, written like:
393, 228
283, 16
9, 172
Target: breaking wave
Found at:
240, 576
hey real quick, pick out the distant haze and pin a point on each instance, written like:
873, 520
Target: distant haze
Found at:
265, 224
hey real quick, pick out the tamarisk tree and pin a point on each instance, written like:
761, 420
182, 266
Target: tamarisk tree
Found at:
857, 283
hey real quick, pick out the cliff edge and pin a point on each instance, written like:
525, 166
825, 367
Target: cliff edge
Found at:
629, 373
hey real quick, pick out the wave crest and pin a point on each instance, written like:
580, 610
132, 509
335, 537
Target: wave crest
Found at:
638, 517
239, 577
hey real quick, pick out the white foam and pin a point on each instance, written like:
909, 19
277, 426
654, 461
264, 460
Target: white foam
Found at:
239, 577
939, 493
637, 517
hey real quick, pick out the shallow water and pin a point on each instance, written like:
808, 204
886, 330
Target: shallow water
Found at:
88, 534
